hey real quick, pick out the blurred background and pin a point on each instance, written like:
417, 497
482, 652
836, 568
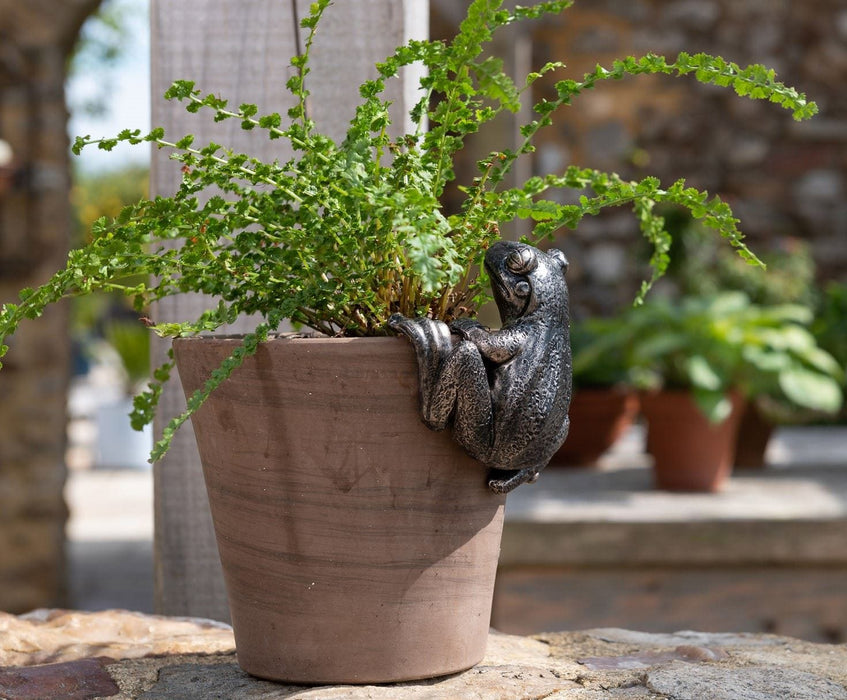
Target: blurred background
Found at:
595, 543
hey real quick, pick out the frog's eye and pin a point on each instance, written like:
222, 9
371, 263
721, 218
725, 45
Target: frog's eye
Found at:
522, 261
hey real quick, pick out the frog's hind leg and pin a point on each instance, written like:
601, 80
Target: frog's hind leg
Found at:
462, 392
524, 476
432, 344
453, 383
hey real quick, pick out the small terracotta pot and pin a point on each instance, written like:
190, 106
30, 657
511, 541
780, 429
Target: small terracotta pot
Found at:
599, 417
754, 434
357, 545
689, 452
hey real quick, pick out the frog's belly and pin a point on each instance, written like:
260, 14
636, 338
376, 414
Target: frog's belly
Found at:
529, 430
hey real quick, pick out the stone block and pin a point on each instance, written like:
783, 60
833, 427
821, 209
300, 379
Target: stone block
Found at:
807, 603
601, 664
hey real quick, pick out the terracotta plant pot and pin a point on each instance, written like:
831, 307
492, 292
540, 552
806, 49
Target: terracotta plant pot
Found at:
599, 417
754, 434
357, 545
689, 452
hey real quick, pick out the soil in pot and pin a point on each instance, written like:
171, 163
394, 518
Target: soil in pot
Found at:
599, 417
358, 546
689, 452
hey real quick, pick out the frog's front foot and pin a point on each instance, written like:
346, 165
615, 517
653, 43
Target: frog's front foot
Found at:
432, 344
463, 326
524, 476
430, 338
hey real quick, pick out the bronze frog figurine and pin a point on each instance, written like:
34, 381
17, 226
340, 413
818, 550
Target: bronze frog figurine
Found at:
505, 392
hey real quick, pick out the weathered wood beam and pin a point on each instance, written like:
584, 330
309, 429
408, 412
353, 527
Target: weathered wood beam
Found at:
240, 51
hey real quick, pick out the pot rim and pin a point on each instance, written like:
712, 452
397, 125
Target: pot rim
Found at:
232, 338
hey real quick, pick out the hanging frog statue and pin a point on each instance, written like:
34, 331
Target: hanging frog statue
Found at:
506, 392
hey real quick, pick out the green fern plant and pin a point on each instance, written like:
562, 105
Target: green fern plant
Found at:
342, 235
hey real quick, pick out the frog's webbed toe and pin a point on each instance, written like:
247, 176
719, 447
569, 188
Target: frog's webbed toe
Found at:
524, 476
463, 326
431, 340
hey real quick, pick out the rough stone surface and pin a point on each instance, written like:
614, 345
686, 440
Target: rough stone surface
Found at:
51, 636
72, 680
758, 683
191, 661
675, 667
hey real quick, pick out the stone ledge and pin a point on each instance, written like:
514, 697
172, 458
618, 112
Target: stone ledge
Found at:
589, 665
709, 543
787, 515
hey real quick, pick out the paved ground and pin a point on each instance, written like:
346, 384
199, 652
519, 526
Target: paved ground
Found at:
110, 531
111, 525
110, 539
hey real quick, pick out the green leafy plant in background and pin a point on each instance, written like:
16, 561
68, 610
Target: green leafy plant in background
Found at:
597, 360
342, 235
131, 341
830, 323
713, 345
787, 296
95, 196
700, 266
104, 195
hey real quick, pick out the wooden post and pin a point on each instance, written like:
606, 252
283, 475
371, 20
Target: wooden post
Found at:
241, 51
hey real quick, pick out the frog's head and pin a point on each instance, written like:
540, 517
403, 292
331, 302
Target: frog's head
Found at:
525, 280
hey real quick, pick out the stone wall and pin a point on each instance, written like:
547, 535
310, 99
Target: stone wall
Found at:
782, 178
35, 39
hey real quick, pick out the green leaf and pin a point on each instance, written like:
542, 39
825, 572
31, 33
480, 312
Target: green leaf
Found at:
715, 405
248, 110
821, 361
702, 374
180, 90
811, 390
270, 121
660, 345
789, 337
766, 360
79, 143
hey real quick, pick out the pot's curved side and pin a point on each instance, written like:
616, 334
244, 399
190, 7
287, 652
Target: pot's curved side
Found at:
599, 418
689, 452
357, 545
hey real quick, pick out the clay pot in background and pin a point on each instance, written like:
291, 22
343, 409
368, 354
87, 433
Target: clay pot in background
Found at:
357, 545
689, 452
599, 417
